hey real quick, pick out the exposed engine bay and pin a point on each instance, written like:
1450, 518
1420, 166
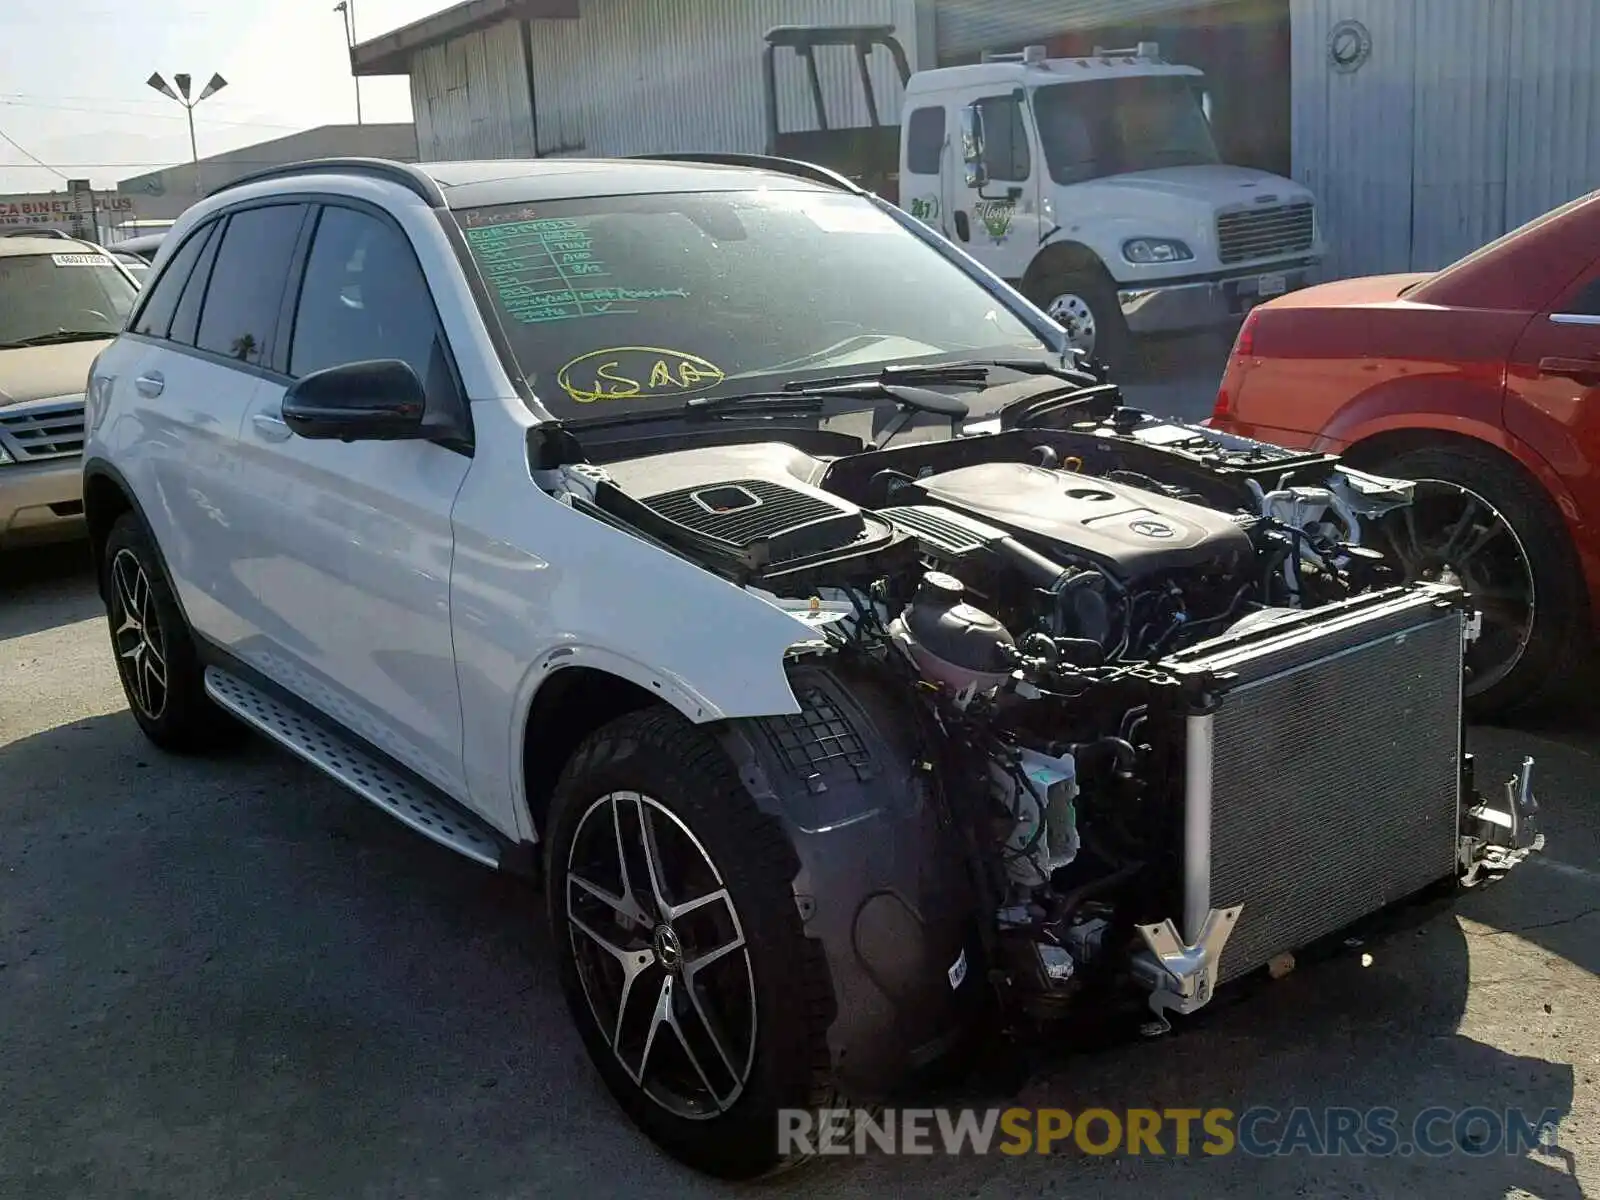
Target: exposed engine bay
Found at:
1179, 717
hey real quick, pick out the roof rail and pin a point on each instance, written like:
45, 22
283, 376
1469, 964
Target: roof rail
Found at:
40, 231
407, 175
765, 162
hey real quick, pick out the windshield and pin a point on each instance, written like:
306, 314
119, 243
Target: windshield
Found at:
633, 302
1112, 126
45, 294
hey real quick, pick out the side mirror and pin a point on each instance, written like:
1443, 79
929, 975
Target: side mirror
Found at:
378, 400
972, 146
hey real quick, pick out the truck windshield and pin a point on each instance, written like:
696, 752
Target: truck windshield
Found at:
1112, 126
629, 302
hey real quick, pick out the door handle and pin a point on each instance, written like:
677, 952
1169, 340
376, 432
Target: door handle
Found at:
963, 227
1571, 368
270, 428
150, 384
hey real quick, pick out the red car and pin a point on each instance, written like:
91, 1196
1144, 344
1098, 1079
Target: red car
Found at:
1482, 383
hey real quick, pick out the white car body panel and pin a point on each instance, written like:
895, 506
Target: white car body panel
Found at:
349, 548
176, 450
539, 587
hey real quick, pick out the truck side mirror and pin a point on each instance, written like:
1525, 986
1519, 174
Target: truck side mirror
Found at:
972, 146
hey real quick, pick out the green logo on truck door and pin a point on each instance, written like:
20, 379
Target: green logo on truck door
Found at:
996, 217
925, 208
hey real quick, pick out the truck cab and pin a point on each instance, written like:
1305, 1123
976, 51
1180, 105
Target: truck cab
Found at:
1092, 184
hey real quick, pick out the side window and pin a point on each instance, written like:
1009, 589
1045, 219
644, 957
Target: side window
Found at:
248, 278
186, 321
1586, 303
155, 318
925, 141
1005, 139
363, 297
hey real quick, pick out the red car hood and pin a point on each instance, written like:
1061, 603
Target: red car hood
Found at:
1349, 293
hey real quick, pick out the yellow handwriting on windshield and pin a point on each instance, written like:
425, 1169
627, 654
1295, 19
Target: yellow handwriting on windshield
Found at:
636, 373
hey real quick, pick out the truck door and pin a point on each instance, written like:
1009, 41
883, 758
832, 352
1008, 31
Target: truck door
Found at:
995, 215
922, 191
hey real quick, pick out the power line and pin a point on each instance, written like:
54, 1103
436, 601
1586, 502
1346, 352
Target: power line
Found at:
25, 152
144, 116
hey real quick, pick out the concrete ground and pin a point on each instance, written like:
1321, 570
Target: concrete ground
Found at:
232, 979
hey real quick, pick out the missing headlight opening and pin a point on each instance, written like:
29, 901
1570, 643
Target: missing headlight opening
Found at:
1135, 696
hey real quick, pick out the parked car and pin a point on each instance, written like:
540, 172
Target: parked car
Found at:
133, 264
61, 301
1482, 382
520, 498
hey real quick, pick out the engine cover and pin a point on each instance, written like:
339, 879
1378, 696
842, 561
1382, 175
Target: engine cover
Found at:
1127, 530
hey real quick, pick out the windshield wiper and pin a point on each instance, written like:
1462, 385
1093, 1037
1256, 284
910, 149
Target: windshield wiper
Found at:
63, 335
974, 372
753, 404
796, 400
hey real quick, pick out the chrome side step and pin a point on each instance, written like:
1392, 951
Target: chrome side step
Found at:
357, 770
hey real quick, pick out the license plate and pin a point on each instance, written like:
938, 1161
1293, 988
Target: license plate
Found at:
1272, 285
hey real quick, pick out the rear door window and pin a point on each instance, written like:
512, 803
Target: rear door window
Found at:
247, 282
155, 318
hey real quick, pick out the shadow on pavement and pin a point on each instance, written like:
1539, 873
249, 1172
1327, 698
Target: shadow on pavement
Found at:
232, 978
45, 588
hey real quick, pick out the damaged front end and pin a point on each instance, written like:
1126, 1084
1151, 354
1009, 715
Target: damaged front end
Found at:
1113, 710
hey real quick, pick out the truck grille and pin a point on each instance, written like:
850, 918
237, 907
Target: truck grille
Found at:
44, 429
1336, 767
1251, 233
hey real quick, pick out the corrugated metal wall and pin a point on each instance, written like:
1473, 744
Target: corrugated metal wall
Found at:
1469, 118
967, 27
670, 75
469, 97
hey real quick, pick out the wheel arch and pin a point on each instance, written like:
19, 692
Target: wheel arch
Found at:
106, 497
570, 704
1061, 257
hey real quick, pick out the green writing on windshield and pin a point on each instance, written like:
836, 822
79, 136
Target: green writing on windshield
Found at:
542, 270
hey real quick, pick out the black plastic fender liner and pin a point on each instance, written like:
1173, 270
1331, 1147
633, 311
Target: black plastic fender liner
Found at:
882, 884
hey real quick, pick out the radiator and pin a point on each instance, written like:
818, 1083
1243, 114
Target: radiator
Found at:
1323, 784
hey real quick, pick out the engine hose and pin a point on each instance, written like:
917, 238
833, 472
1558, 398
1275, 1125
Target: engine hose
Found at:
1070, 902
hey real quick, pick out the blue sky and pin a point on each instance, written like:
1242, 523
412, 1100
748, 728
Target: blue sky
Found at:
72, 74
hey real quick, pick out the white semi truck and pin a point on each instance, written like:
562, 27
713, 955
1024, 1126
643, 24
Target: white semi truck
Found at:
1094, 184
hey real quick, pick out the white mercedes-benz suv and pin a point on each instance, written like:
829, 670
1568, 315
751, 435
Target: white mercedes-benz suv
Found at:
619, 523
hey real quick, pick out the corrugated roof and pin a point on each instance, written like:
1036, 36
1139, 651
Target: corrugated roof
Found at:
390, 53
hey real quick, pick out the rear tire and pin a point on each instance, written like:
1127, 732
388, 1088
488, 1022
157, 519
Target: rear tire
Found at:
160, 669
1506, 536
736, 1039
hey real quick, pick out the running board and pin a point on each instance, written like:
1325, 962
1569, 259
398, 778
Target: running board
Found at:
403, 799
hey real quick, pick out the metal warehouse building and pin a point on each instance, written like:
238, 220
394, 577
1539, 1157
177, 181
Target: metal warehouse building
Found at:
1426, 127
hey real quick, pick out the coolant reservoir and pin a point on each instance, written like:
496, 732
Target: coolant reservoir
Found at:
952, 642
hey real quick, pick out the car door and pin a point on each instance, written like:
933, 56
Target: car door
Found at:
352, 540
184, 377
998, 223
1553, 390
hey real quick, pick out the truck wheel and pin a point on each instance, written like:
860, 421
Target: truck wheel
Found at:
1479, 522
162, 676
1085, 304
681, 953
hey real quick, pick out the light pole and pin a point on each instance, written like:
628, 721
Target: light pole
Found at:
348, 8
182, 97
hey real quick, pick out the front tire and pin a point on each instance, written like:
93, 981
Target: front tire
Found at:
160, 669
681, 952
1085, 304
1479, 521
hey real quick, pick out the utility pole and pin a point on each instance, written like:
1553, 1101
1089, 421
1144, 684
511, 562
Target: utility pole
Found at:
348, 8
181, 95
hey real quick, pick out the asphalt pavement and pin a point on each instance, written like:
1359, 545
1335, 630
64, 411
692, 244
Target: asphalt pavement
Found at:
230, 978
